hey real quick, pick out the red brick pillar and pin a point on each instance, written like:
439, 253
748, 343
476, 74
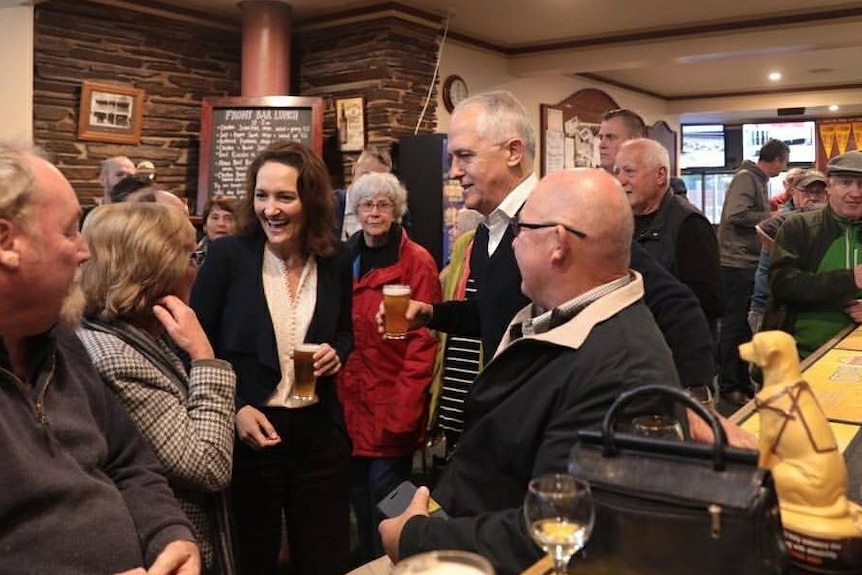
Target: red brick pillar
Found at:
265, 48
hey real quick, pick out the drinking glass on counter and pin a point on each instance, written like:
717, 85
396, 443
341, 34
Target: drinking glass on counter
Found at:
396, 299
444, 563
303, 369
658, 426
558, 509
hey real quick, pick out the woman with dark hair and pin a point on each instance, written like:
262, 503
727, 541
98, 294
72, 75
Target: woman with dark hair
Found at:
283, 282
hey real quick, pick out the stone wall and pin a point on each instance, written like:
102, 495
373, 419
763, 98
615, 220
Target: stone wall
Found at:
176, 63
389, 61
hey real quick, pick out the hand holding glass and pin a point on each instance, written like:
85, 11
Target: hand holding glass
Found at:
396, 299
559, 513
303, 371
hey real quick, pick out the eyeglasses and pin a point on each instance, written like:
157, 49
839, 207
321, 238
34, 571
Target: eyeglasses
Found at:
382, 205
516, 224
816, 192
197, 257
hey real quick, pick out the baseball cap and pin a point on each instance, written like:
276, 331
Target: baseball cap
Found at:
849, 163
809, 177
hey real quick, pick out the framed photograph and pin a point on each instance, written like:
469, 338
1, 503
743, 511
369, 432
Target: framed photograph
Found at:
350, 114
110, 113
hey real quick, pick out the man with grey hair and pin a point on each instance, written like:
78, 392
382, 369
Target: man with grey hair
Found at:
80, 491
491, 145
586, 338
672, 230
113, 171
815, 271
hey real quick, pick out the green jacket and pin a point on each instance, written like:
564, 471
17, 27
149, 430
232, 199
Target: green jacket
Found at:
794, 282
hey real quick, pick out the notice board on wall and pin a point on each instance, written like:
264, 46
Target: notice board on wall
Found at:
235, 129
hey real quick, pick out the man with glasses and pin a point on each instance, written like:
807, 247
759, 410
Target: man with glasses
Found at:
586, 338
492, 146
815, 275
806, 191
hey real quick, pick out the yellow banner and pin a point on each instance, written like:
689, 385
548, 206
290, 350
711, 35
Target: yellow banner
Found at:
842, 136
827, 138
857, 134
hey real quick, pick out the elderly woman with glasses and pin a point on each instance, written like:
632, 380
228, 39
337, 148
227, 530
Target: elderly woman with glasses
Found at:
137, 284
383, 386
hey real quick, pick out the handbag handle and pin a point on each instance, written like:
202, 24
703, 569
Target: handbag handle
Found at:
680, 396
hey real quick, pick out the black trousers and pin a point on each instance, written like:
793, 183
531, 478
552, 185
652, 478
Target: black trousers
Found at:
306, 478
738, 287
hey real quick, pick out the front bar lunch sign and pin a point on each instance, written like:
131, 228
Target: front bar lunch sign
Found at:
234, 130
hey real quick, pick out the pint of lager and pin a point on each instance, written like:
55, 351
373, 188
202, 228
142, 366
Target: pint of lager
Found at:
303, 370
396, 298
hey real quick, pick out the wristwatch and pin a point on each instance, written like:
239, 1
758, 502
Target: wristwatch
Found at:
702, 394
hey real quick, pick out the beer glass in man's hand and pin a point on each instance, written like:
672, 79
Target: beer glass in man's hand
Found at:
396, 298
303, 370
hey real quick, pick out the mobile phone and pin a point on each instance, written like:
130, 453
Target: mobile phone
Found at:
399, 498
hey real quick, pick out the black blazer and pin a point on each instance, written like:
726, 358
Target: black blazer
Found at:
229, 300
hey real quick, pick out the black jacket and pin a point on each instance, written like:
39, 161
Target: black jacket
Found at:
230, 303
521, 419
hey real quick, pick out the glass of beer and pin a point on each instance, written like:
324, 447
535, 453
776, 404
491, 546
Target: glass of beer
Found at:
396, 298
444, 563
303, 370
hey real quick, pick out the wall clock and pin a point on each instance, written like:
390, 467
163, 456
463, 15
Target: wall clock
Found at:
454, 90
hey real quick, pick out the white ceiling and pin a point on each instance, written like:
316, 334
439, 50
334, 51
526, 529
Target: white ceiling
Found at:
694, 53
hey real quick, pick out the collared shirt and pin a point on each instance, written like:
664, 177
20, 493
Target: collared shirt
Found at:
499, 219
562, 313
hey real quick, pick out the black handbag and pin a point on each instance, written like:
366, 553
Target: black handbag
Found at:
676, 508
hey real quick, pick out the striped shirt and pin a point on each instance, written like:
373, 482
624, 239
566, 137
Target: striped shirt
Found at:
461, 362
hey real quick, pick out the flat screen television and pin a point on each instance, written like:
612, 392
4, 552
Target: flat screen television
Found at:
702, 146
799, 136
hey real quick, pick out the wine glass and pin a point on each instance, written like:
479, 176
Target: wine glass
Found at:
558, 510
658, 426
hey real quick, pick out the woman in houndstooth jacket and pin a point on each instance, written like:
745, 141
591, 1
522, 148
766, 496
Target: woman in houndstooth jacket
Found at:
136, 284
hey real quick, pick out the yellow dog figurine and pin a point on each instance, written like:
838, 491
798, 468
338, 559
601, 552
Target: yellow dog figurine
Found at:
798, 446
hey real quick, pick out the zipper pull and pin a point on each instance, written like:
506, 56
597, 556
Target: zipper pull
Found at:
715, 520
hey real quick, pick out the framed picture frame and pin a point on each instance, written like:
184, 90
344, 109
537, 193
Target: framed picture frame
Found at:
110, 113
350, 118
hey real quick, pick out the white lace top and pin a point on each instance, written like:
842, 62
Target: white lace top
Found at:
291, 315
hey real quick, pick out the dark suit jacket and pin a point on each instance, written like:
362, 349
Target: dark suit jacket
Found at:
229, 300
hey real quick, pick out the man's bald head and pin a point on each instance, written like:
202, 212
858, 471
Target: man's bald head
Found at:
113, 170
556, 262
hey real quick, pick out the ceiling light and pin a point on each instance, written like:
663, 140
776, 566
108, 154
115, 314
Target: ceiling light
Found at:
774, 76
834, 108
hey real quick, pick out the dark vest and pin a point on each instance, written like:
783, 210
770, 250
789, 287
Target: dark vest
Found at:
659, 239
498, 288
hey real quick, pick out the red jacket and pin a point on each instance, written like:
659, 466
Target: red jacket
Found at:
383, 386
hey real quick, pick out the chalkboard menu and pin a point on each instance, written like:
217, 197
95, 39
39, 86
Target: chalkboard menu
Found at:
234, 130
